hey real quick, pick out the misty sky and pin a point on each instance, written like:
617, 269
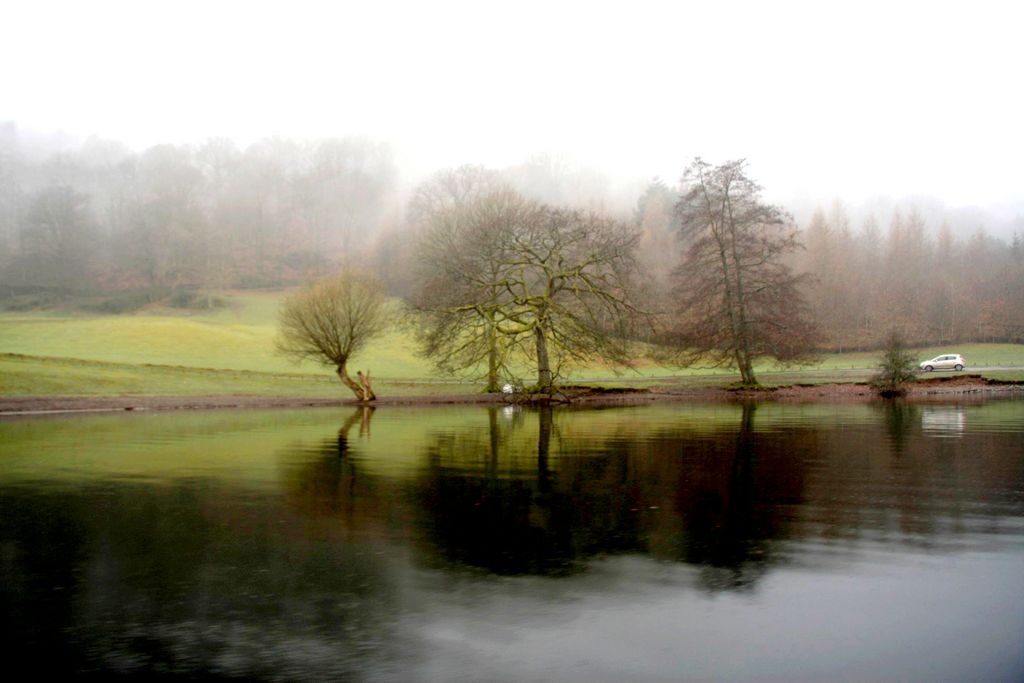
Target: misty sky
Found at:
824, 99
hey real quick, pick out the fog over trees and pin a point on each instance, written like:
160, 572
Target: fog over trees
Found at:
925, 281
107, 228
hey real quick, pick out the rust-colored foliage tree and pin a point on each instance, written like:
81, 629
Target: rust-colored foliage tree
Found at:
738, 299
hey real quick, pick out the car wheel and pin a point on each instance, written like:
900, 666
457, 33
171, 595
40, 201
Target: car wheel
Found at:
928, 368
958, 367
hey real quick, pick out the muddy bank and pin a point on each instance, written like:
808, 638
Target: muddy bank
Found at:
24, 405
960, 387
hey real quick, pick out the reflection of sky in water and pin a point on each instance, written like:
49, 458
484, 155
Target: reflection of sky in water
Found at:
628, 618
943, 420
637, 620
717, 542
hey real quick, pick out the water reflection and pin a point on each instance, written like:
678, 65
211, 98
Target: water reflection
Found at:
514, 497
944, 420
178, 582
417, 545
706, 501
901, 418
514, 524
325, 485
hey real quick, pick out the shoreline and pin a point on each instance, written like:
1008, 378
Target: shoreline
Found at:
959, 388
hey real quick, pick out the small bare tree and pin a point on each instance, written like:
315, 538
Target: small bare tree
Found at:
331, 320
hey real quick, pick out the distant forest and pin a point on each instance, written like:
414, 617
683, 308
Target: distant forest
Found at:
114, 230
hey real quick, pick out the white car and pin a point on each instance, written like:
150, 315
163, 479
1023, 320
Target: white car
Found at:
949, 361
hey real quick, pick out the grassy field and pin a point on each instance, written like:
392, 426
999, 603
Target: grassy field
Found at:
36, 376
230, 350
239, 336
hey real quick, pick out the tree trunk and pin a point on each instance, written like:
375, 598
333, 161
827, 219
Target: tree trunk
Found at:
543, 364
741, 324
735, 328
361, 388
492, 356
364, 382
362, 416
747, 369
743, 341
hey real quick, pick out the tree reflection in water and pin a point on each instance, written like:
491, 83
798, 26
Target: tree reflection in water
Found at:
325, 485
676, 496
901, 419
197, 578
502, 521
347, 559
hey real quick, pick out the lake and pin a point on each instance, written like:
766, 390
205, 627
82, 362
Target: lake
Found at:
769, 542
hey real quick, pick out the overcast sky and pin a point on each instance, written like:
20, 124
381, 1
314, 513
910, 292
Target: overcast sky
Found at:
851, 99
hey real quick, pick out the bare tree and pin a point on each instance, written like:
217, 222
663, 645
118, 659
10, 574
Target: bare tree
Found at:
738, 299
570, 277
331, 320
461, 296
511, 274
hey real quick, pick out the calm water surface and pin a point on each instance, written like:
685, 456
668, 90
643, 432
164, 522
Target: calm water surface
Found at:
707, 542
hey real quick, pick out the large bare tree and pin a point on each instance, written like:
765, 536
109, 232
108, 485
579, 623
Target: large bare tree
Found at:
738, 298
331, 320
570, 275
510, 274
462, 298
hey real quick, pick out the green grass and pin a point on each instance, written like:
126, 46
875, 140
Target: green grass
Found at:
834, 367
976, 354
229, 350
35, 376
238, 337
